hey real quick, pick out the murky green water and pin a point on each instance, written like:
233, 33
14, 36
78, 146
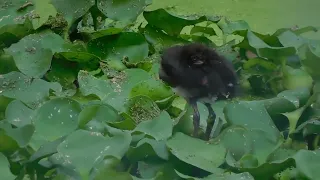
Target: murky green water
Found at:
264, 16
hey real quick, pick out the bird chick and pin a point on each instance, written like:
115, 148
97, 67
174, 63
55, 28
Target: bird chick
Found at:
198, 74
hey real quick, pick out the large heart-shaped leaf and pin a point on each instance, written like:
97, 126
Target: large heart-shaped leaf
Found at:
307, 163
92, 85
160, 128
74, 9
251, 115
7, 64
21, 135
13, 138
17, 11
307, 128
159, 39
228, 27
114, 92
255, 44
155, 89
172, 24
33, 53
42, 11
46, 150
5, 168
60, 114
310, 58
13, 12
98, 115
28, 90
199, 154
127, 45
18, 114
75, 150
221, 176
126, 11
149, 147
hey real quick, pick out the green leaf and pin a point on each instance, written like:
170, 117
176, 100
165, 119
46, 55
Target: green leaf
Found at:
15, 22
125, 11
296, 78
7, 143
33, 53
149, 169
30, 91
297, 31
199, 154
116, 92
257, 45
107, 168
160, 128
227, 51
75, 150
205, 31
141, 108
15, 12
72, 9
177, 106
298, 96
63, 72
228, 27
250, 150
260, 64
127, 123
286, 101
307, 128
310, 60
7, 64
159, 39
46, 150
220, 176
251, 115
123, 84
12, 138
293, 118
98, 113
21, 135
13, 33
92, 85
307, 163
155, 89
80, 57
105, 32
18, 114
5, 168
255, 143
173, 24
149, 147
289, 38
130, 45
42, 11
60, 114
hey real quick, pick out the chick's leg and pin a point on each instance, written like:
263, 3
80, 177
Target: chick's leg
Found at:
210, 121
196, 118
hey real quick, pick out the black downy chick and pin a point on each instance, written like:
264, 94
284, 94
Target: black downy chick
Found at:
197, 73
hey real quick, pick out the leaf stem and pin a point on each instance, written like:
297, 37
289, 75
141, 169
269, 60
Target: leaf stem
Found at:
316, 142
129, 168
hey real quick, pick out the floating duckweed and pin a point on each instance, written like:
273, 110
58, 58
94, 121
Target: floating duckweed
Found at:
142, 108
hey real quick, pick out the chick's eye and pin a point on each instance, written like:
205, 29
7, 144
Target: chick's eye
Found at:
197, 60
